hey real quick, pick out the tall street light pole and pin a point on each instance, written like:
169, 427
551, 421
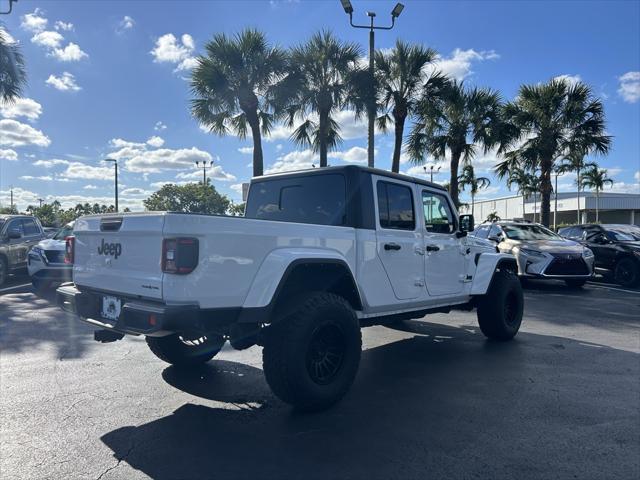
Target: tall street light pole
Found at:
204, 169
431, 171
115, 164
371, 108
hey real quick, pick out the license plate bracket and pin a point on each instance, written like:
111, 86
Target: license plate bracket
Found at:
111, 307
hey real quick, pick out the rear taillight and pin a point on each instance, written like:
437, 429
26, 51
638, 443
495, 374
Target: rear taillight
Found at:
69, 249
179, 255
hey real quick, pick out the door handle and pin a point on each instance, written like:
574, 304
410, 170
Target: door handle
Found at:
391, 246
432, 248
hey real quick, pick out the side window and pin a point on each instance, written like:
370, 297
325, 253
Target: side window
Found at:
29, 227
482, 232
495, 231
395, 206
438, 217
15, 225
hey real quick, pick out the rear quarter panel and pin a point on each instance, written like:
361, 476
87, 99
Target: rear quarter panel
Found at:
233, 250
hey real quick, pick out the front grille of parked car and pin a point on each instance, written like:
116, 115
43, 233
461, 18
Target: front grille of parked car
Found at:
567, 264
54, 256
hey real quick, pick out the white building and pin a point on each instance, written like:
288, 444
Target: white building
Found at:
613, 208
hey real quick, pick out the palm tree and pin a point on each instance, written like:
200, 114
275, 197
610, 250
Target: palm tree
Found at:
400, 80
321, 78
233, 86
468, 178
13, 75
457, 121
550, 121
574, 162
596, 178
524, 180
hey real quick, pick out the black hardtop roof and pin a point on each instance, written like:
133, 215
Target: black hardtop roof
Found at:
349, 168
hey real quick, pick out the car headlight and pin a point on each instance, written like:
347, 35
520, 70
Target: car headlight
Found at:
37, 250
587, 253
531, 253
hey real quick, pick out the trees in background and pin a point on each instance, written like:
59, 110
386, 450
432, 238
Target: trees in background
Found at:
322, 75
13, 75
596, 179
574, 162
189, 198
233, 86
454, 125
468, 179
548, 122
401, 81
524, 180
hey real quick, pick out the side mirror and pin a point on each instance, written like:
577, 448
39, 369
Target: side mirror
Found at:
467, 223
601, 239
495, 238
14, 234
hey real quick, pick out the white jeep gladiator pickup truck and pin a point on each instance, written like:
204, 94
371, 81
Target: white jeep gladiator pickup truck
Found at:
319, 254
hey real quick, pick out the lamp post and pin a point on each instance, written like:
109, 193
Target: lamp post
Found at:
40, 200
371, 108
431, 171
204, 169
555, 207
115, 164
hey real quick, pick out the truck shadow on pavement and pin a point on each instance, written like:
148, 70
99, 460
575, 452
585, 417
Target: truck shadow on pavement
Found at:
443, 404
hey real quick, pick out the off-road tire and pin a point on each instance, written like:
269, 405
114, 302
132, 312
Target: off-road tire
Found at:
4, 270
575, 282
185, 353
312, 353
500, 309
626, 272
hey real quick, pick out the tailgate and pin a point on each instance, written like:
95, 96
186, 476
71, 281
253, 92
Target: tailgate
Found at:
120, 254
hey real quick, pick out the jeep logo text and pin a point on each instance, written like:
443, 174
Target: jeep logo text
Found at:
113, 249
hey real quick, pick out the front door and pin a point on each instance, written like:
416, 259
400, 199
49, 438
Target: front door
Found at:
399, 238
444, 264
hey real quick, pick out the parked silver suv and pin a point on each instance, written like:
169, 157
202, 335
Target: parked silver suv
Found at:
540, 253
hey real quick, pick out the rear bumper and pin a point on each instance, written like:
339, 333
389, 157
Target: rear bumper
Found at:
137, 317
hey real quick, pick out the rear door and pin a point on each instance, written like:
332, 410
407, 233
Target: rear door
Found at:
444, 264
32, 235
15, 251
120, 254
399, 237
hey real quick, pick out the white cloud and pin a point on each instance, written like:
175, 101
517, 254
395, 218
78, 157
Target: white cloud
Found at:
135, 192
50, 163
246, 150
48, 38
236, 187
570, 79
21, 197
90, 187
120, 143
296, 160
127, 23
622, 187
16, 134
159, 126
279, 147
629, 88
64, 82
70, 53
458, 64
637, 176
34, 22
353, 155
350, 127
65, 26
168, 49
155, 141
21, 107
6, 36
215, 173
47, 178
154, 161
88, 172
8, 154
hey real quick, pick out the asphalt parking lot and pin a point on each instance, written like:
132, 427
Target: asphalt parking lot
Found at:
432, 399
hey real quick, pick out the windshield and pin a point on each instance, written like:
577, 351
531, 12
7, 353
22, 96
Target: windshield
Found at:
620, 236
64, 232
529, 232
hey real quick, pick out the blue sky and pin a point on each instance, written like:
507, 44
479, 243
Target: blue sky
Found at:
108, 78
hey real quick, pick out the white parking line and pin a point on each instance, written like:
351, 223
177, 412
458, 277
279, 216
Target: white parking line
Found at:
617, 289
15, 287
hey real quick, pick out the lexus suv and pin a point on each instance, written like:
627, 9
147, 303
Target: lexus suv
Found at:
616, 249
540, 253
